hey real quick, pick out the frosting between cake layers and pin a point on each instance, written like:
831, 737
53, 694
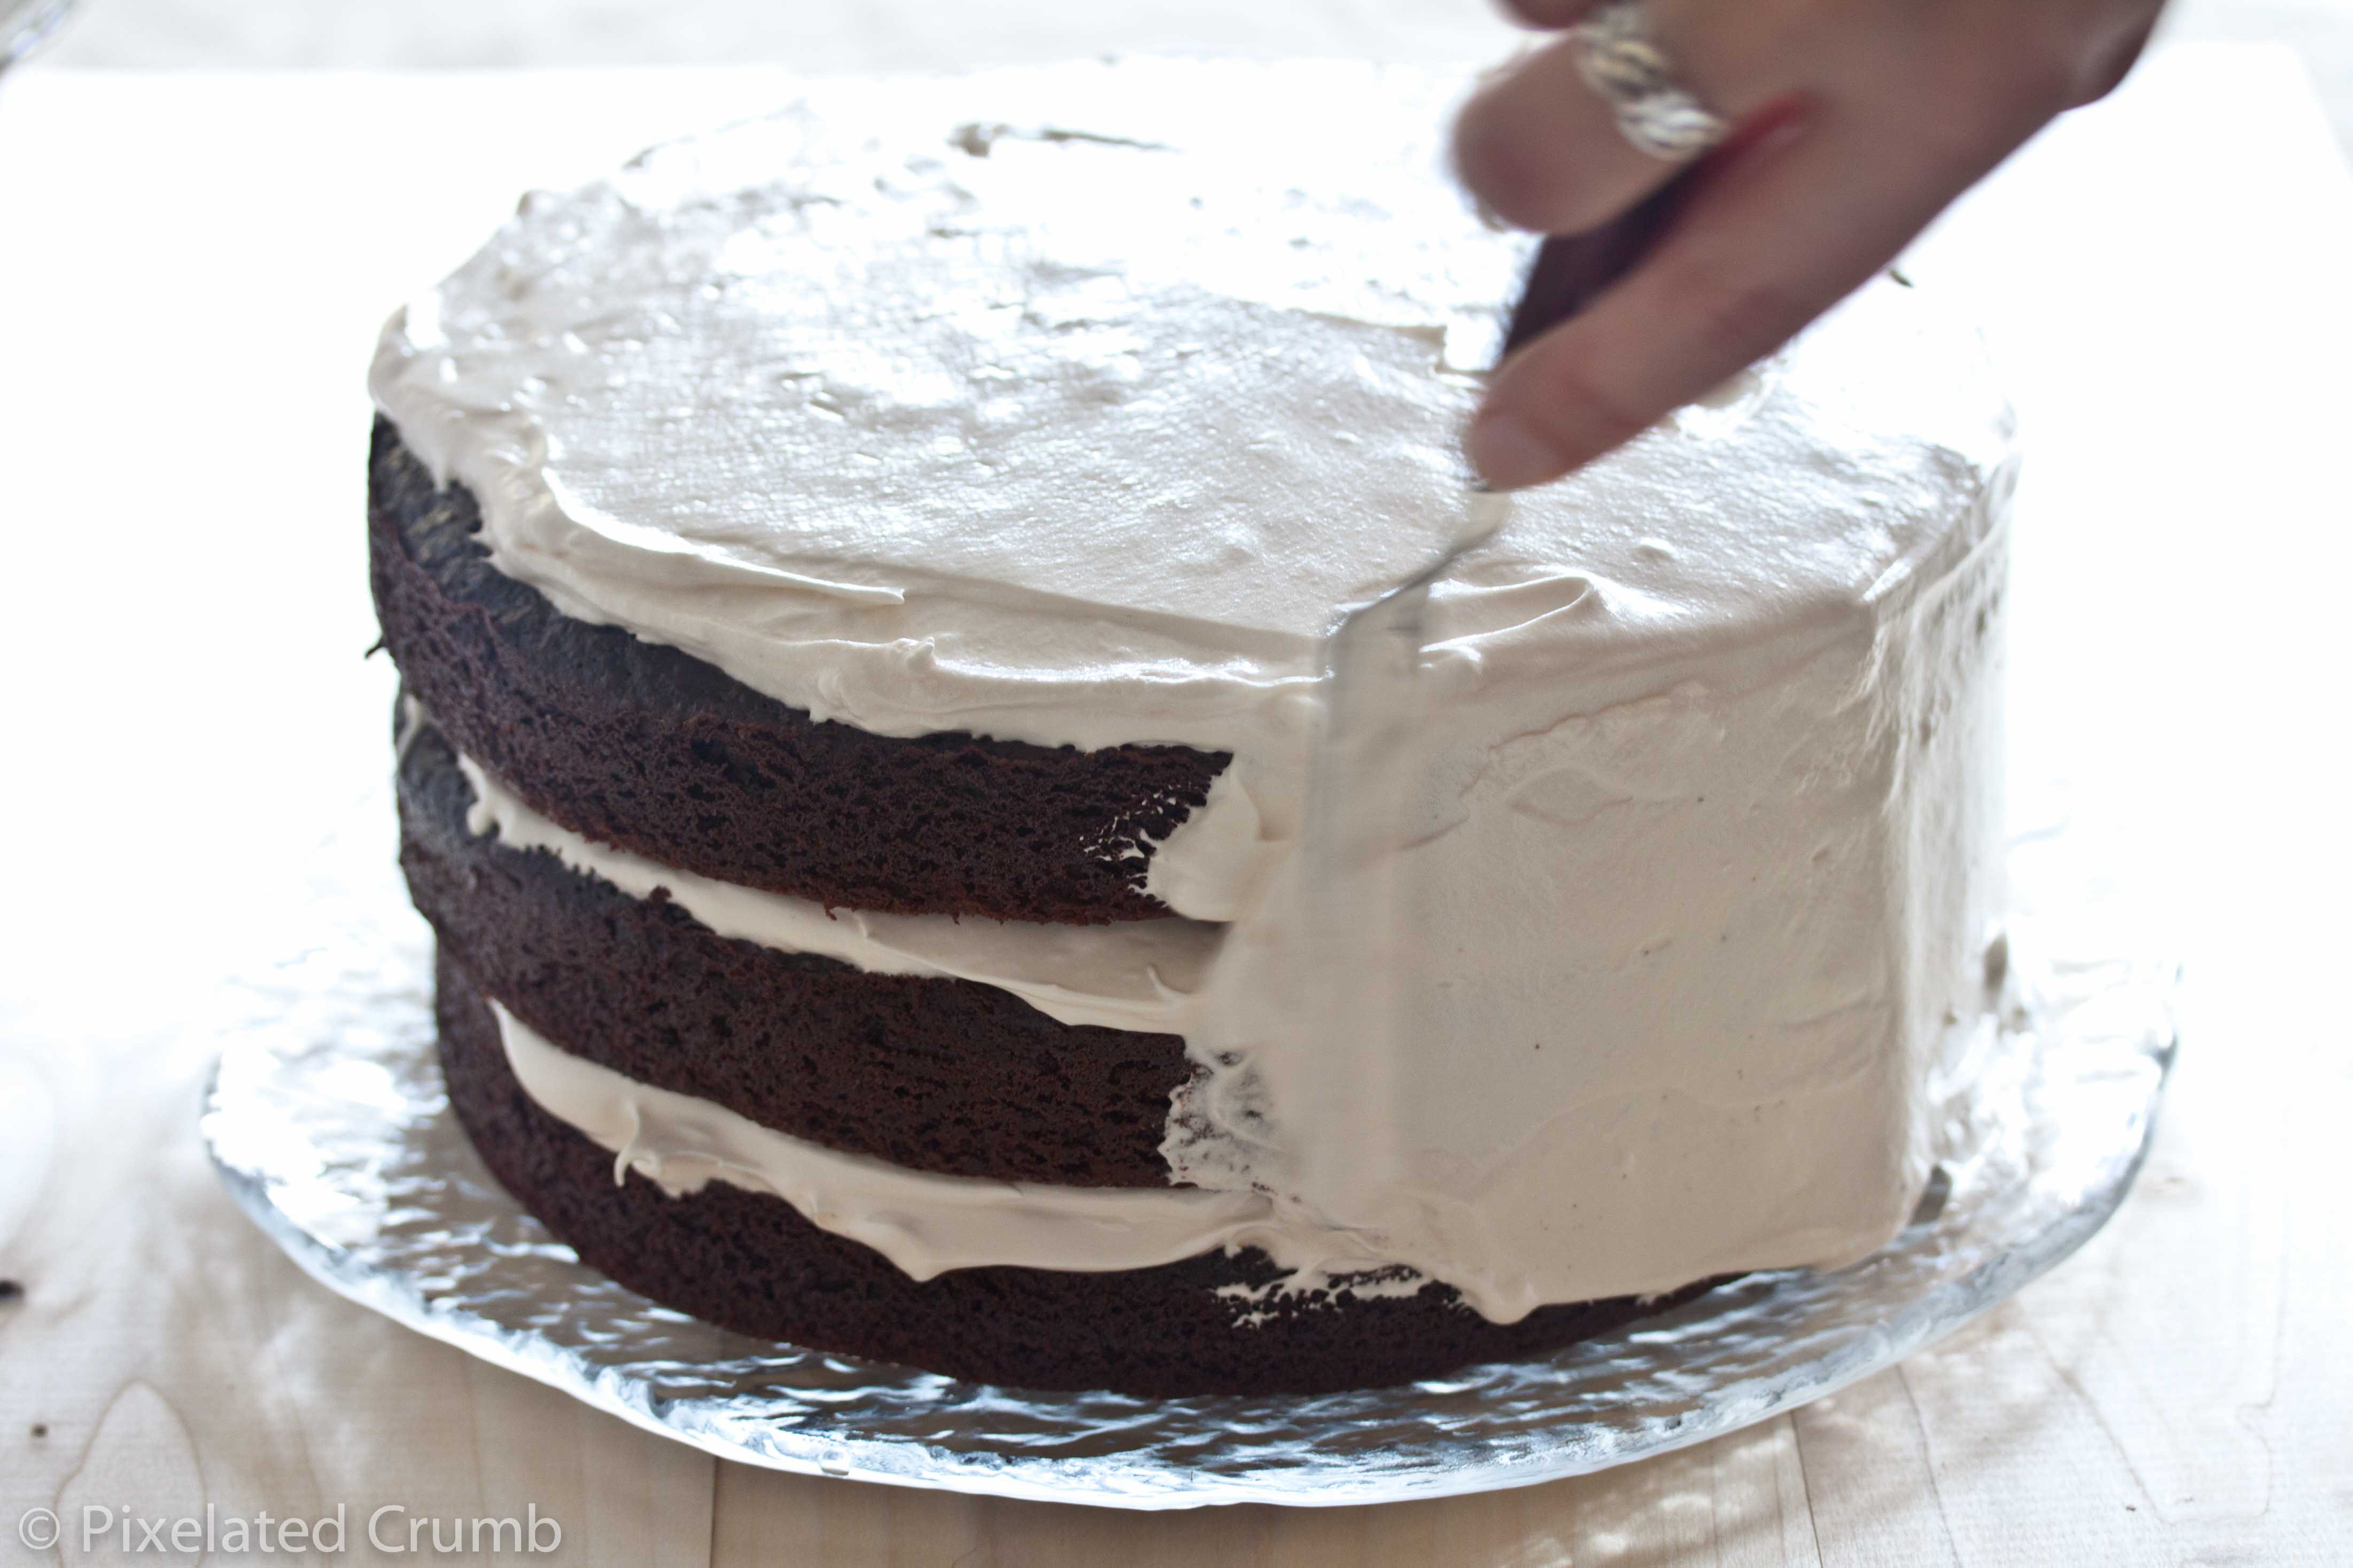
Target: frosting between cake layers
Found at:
921, 423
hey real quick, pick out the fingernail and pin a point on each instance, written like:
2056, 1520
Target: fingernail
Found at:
1508, 454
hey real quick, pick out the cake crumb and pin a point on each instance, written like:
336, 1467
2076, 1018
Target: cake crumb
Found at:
40, 1428
10, 1290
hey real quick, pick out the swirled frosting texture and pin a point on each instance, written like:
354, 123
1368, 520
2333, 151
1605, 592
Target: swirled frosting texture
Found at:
1067, 405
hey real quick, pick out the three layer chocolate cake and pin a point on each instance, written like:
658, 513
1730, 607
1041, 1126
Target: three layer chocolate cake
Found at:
859, 580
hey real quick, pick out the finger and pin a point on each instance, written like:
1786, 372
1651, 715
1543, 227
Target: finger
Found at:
1770, 241
1547, 15
1542, 149
2110, 65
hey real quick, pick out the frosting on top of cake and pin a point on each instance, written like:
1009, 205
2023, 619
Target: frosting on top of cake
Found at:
1082, 426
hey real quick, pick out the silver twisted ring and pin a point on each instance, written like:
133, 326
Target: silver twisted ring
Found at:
1632, 76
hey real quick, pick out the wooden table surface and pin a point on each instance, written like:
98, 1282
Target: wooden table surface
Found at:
192, 269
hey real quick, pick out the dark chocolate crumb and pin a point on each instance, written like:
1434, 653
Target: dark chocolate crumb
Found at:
10, 1291
40, 1428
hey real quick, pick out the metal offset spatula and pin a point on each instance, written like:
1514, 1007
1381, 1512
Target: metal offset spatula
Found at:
1568, 272
1361, 778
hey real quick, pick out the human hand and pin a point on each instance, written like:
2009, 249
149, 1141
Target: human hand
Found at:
1851, 124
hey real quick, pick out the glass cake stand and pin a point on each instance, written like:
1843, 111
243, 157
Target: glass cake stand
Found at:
326, 1118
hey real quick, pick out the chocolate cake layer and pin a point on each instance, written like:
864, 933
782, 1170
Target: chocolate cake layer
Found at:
948, 1076
649, 748
748, 1262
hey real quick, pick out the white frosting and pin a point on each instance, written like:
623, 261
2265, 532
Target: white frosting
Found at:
1084, 439
1211, 865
